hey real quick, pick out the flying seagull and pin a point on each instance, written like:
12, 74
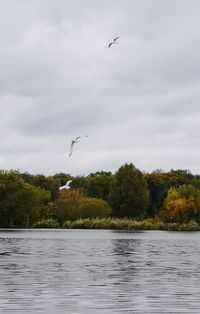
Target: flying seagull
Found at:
72, 144
66, 186
113, 42
74, 141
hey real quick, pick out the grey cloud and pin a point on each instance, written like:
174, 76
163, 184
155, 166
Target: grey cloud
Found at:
138, 101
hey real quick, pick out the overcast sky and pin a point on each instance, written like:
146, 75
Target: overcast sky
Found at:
138, 101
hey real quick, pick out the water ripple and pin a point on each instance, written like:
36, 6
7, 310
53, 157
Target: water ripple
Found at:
80, 271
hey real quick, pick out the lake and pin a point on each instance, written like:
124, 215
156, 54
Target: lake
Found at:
97, 271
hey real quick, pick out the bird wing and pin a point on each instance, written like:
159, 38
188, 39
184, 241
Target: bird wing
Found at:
71, 148
68, 182
115, 38
110, 44
72, 144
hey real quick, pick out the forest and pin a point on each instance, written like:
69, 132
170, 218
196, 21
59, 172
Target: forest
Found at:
126, 199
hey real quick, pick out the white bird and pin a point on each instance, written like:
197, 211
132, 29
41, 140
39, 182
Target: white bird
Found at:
73, 142
66, 186
113, 42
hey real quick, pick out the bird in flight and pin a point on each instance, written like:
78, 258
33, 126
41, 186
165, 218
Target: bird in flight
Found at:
66, 186
113, 42
74, 141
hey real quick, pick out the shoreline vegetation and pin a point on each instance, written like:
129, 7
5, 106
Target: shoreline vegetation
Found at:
126, 200
118, 224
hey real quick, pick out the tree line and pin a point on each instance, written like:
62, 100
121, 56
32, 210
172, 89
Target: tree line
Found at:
27, 200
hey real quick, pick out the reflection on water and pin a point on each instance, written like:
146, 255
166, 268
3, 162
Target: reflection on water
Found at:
75, 271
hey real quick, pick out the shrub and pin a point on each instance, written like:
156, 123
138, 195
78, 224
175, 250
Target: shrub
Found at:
113, 224
73, 205
47, 223
91, 207
67, 205
128, 224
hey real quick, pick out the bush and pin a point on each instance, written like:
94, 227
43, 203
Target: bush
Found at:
128, 224
73, 205
91, 207
192, 226
67, 205
110, 223
47, 223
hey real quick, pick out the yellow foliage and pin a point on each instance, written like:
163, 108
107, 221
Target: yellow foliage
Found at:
183, 208
180, 210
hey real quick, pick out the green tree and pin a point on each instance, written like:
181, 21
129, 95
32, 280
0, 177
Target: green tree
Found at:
158, 188
50, 184
129, 194
62, 177
78, 183
98, 185
183, 176
20, 203
33, 199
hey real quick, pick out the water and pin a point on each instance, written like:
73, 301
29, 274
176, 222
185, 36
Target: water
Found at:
80, 271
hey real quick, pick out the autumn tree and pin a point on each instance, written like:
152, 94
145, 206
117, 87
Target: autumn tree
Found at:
181, 204
159, 182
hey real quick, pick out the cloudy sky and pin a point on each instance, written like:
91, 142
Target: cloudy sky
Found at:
138, 102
